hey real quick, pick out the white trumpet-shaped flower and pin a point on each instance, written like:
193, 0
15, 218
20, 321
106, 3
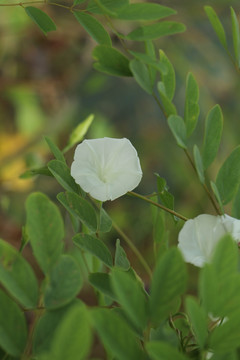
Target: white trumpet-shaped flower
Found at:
199, 236
106, 168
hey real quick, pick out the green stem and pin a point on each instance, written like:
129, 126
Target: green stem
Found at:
158, 205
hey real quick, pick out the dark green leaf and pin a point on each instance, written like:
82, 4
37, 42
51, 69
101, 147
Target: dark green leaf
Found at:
111, 61
141, 75
198, 163
130, 295
161, 350
17, 276
216, 24
236, 36
154, 31
208, 289
149, 60
121, 259
94, 246
55, 150
111, 5
45, 229
13, 327
191, 110
33, 172
228, 177
178, 128
76, 205
151, 53
62, 174
168, 77
105, 221
225, 257
40, 18
236, 205
93, 27
63, 284
144, 11
102, 282
212, 136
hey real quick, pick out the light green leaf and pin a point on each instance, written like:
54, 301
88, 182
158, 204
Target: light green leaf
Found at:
144, 11
105, 221
168, 77
110, 61
236, 36
40, 18
161, 350
121, 261
208, 289
129, 294
76, 205
102, 282
141, 75
178, 128
116, 335
156, 30
13, 327
62, 174
236, 205
63, 283
198, 318
191, 110
198, 163
55, 150
94, 246
93, 27
228, 177
110, 5
45, 229
151, 53
212, 135
168, 283
216, 24
169, 107
17, 276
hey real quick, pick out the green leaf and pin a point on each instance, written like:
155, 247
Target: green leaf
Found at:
151, 53
212, 135
161, 350
105, 221
116, 335
144, 11
121, 261
45, 229
152, 62
198, 163
94, 246
110, 61
13, 327
165, 196
141, 75
102, 282
217, 195
168, 283
40, 18
62, 174
178, 128
236, 36
216, 24
168, 78
111, 5
228, 177
73, 337
208, 289
191, 110
169, 107
76, 205
198, 318
63, 284
236, 205
17, 276
93, 27
156, 30
33, 172
55, 150
130, 295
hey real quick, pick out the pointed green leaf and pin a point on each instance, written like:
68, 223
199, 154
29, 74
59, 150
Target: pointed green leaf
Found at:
228, 177
62, 174
144, 11
198, 163
17, 276
40, 18
156, 30
116, 335
110, 61
13, 327
55, 150
121, 261
130, 295
161, 350
93, 27
217, 25
63, 284
169, 107
191, 110
45, 229
94, 246
102, 282
141, 75
236, 36
33, 172
76, 205
168, 78
198, 318
105, 221
178, 128
212, 135
79, 132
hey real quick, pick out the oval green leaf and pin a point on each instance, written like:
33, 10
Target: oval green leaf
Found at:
178, 129
191, 109
62, 174
40, 18
144, 11
141, 75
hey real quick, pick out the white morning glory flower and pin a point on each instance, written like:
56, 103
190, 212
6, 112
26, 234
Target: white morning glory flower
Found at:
199, 236
106, 168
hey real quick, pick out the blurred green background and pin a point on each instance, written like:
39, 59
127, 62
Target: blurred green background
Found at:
48, 86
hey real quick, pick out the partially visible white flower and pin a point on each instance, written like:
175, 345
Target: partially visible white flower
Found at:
106, 168
199, 236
